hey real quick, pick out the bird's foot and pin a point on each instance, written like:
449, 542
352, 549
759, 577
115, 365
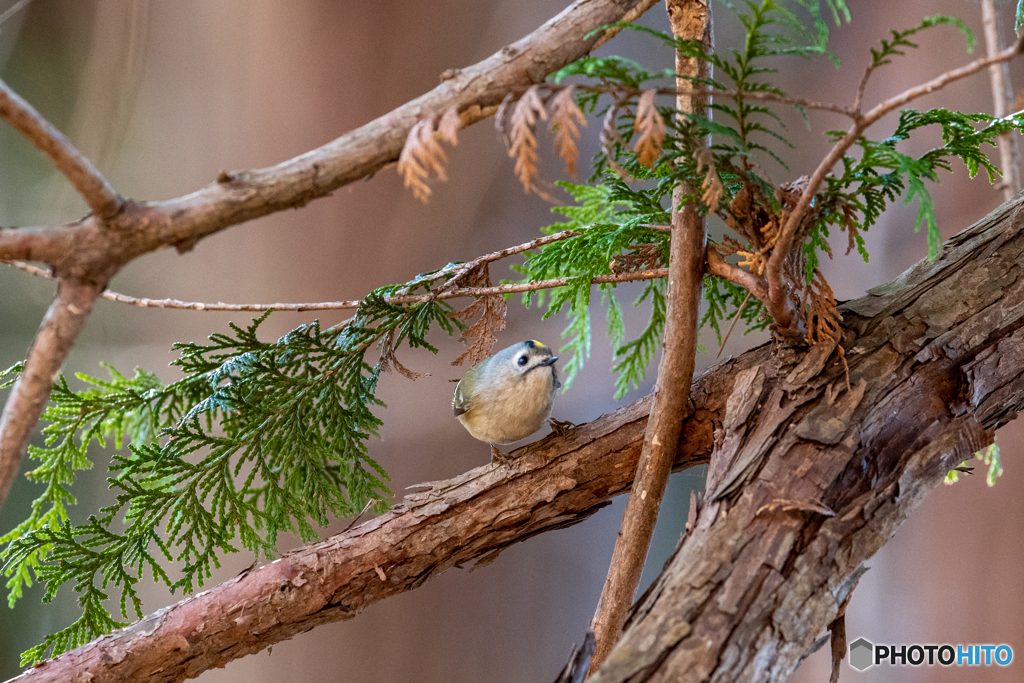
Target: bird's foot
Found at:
560, 428
501, 458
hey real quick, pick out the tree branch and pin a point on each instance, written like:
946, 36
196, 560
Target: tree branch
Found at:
1002, 96
779, 306
60, 328
691, 19
968, 358
89, 182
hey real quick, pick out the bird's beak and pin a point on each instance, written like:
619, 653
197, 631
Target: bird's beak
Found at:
549, 361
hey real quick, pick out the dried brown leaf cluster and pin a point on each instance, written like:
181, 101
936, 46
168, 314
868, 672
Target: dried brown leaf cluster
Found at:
491, 312
649, 128
823, 316
422, 154
517, 120
755, 220
566, 117
523, 136
645, 257
712, 184
388, 359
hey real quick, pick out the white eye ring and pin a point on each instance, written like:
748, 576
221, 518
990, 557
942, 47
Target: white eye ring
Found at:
522, 360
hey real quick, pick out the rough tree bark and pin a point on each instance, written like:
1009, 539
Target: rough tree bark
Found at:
815, 470
811, 478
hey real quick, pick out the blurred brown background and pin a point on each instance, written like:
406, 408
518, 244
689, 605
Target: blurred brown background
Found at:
163, 95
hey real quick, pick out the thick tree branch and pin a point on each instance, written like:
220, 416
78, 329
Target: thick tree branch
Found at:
816, 469
947, 333
60, 328
93, 187
691, 19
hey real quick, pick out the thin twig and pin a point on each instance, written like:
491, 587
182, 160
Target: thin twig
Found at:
12, 10
64, 320
631, 15
732, 325
443, 293
779, 306
86, 179
686, 90
690, 19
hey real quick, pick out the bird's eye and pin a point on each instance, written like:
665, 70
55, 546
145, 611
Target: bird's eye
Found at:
522, 360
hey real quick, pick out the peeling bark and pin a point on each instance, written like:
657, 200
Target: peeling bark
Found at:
812, 482
816, 471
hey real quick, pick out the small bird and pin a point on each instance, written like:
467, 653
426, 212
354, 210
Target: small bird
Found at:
508, 396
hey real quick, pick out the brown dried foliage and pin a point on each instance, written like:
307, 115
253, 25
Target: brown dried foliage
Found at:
449, 125
491, 312
388, 359
421, 154
566, 117
609, 138
523, 137
645, 257
712, 184
650, 130
823, 317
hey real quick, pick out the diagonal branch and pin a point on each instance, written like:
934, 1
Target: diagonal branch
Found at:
93, 187
60, 328
779, 305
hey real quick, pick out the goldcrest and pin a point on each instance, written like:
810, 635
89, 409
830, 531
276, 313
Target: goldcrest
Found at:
508, 396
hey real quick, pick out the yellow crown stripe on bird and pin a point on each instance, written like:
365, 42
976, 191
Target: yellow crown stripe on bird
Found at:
539, 345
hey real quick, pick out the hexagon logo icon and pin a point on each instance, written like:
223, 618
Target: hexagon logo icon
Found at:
861, 654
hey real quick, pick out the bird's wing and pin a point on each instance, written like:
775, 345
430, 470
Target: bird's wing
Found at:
460, 404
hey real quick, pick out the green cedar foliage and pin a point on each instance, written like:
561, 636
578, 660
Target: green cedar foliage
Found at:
260, 437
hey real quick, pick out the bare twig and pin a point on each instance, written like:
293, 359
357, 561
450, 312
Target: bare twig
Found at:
445, 292
631, 15
780, 307
999, 76
64, 320
93, 187
690, 19
12, 10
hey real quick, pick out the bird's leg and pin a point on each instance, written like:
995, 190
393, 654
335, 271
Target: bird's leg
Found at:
560, 428
502, 458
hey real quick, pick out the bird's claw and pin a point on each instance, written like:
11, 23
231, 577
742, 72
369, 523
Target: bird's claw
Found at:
501, 458
560, 428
